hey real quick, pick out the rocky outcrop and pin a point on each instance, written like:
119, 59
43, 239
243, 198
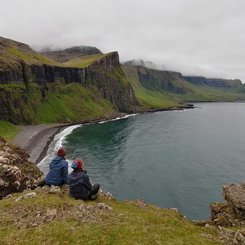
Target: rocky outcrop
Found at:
16, 172
70, 53
231, 212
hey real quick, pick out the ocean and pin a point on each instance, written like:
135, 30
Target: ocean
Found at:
177, 159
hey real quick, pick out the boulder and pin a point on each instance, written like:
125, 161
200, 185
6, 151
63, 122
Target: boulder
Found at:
232, 211
16, 172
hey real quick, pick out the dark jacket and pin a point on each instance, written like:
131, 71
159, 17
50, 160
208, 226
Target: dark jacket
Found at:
58, 172
80, 186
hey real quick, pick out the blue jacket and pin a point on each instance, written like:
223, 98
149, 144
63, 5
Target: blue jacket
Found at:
80, 186
58, 172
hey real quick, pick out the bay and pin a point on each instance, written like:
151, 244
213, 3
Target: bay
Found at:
175, 159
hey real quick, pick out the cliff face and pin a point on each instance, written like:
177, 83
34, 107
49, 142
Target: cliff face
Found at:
162, 80
213, 82
21, 65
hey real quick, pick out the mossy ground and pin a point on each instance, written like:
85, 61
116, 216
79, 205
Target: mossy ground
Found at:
8, 130
127, 223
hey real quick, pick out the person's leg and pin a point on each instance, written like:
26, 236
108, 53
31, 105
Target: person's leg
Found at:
95, 188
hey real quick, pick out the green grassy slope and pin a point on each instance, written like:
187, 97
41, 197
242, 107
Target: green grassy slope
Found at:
78, 222
8, 130
84, 61
161, 98
63, 103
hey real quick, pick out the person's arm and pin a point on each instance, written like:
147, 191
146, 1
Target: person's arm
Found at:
87, 182
65, 172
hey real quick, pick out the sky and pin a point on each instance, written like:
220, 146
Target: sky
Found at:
195, 37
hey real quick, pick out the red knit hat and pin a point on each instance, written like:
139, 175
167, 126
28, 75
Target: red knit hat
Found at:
77, 164
61, 152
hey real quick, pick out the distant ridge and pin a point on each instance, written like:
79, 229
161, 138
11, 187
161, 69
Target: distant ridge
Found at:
139, 62
65, 55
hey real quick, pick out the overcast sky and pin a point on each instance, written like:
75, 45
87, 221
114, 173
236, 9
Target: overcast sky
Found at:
200, 37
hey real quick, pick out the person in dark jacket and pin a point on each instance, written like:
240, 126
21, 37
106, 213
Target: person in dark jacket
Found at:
58, 170
80, 185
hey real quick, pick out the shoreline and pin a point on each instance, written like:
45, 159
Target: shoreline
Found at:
36, 139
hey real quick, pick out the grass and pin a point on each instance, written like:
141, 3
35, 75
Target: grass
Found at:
84, 61
30, 57
8, 130
162, 99
150, 99
128, 223
63, 103
72, 102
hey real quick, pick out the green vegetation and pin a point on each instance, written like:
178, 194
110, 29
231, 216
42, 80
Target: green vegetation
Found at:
84, 61
118, 74
78, 222
8, 130
30, 57
162, 98
63, 103
150, 99
72, 102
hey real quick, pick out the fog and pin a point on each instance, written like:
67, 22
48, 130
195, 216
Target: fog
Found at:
197, 37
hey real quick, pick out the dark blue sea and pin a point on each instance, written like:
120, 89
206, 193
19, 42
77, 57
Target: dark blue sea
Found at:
175, 159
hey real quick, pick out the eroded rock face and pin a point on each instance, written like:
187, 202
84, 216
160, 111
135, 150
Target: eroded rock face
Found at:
231, 212
234, 194
16, 173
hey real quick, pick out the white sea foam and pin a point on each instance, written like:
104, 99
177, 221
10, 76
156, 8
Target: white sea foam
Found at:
118, 118
59, 140
54, 146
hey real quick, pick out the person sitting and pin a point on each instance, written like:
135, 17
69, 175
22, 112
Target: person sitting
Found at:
80, 185
58, 170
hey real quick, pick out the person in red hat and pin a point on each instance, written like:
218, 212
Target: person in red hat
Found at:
58, 170
79, 183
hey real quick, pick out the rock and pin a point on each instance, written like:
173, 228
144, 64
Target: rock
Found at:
104, 206
54, 190
232, 212
174, 209
28, 195
16, 172
51, 212
234, 194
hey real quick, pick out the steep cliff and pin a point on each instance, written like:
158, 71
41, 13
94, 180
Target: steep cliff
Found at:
213, 82
21, 68
162, 80
167, 89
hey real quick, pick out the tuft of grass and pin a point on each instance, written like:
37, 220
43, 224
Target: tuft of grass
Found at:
84, 61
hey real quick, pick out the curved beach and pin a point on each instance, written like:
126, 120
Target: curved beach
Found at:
34, 139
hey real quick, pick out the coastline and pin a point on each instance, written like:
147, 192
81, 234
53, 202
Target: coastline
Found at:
36, 139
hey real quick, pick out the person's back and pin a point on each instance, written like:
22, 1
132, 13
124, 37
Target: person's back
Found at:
80, 186
79, 183
58, 171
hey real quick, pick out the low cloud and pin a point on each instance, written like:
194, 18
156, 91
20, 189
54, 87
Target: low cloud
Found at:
200, 37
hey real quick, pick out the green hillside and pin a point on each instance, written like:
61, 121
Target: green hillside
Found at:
166, 90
